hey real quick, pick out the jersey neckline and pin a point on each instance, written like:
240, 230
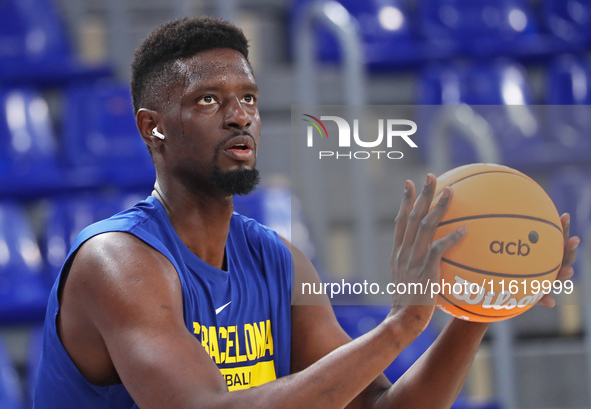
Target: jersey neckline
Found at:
190, 258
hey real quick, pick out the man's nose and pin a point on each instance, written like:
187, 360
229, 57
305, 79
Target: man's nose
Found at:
236, 115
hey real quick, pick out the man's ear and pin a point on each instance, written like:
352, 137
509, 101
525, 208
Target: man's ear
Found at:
147, 121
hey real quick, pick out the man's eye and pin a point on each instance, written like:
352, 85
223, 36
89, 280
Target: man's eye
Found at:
207, 100
248, 99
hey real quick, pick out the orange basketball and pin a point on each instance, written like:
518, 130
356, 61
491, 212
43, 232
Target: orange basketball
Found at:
513, 248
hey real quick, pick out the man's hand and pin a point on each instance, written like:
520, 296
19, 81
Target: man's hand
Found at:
320, 346
415, 259
570, 254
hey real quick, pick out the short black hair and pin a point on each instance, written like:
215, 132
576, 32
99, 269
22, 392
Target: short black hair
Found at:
152, 69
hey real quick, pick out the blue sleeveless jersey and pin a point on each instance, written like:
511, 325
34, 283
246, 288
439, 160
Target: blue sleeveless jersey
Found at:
241, 316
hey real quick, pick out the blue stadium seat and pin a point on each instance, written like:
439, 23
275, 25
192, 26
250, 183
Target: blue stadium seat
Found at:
498, 91
101, 140
441, 84
568, 80
34, 45
10, 387
498, 82
568, 95
524, 127
66, 217
569, 20
31, 35
483, 28
28, 150
23, 293
389, 38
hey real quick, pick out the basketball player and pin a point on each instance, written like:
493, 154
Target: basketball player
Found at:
176, 302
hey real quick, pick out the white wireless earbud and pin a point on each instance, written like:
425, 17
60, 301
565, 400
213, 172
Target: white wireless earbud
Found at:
157, 134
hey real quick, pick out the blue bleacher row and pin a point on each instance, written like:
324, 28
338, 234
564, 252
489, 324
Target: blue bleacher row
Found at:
501, 91
99, 143
35, 46
400, 33
37, 53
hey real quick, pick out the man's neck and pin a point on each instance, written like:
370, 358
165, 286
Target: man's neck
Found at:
201, 221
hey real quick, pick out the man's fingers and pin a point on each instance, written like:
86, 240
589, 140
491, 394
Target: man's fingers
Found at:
427, 227
420, 209
439, 247
565, 220
403, 215
565, 273
547, 301
570, 251
570, 254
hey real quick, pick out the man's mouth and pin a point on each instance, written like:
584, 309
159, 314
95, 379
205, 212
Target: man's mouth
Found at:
240, 148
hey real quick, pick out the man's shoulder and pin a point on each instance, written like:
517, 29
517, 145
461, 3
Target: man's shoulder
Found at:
126, 221
254, 230
125, 235
115, 257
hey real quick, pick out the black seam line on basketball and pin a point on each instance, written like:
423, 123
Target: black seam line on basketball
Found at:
492, 273
500, 216
475, 313
480, 315
482, 173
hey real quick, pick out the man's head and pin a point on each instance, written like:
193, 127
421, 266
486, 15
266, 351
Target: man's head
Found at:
153, 68
193, 84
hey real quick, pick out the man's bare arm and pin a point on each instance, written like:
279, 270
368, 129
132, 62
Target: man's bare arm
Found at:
119, 286
434, 381
131, 295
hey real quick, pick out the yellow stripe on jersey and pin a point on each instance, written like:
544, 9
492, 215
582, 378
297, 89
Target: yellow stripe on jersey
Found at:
249, 376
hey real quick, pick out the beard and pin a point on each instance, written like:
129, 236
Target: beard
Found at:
241, 181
